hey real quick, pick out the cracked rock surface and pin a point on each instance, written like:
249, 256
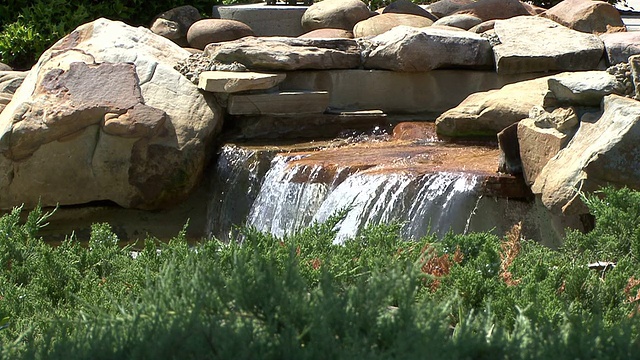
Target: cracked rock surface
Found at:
104, 115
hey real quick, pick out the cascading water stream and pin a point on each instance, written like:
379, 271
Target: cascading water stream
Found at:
438, 202
420, 188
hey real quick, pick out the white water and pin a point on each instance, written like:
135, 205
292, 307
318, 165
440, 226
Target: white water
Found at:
435, 203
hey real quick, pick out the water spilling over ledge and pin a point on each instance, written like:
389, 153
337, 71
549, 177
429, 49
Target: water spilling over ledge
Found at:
427, 186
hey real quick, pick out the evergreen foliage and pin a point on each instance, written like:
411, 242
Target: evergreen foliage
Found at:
376, 296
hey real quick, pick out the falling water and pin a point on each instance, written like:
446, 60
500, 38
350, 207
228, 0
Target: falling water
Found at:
280, 194
238, 176
436, 203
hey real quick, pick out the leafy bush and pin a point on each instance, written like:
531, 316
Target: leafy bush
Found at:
27, 28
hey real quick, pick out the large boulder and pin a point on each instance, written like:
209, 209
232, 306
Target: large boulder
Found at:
535, 44
495, 9
338, 14
382, 23
620, 46
175, 23
207, 31
281, 53
586, 16
104, 116
406, 48
604, 151
484, 114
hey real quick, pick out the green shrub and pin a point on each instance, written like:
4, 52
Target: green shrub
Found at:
376, 296
27, 28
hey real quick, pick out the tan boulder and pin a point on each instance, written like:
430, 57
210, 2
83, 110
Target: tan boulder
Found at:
382, 23
207, 31
487, 113
103, 115
338, 14
282, 53
327, 33
601, 153
620, 46
586, 16
542, 136
410, 49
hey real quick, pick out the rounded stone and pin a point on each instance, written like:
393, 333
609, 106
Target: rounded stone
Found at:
462, 21
385, 22
483, 26
327, 33
5, 67
338, 14
207, 31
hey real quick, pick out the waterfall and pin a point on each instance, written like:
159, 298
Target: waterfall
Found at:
438, 202
238, 176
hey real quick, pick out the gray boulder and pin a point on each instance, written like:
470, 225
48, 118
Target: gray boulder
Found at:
406, 49
338, 14
104, 116
535, 44
281, 53
604, 151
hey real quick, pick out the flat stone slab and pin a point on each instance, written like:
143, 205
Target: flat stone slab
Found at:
234, 81
535, 44
284, 102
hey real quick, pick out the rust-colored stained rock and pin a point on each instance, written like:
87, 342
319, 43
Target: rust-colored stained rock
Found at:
415, 131
332, 165
68, 101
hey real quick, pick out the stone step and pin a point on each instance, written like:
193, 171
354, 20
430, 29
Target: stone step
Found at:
275, 103
234, 81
